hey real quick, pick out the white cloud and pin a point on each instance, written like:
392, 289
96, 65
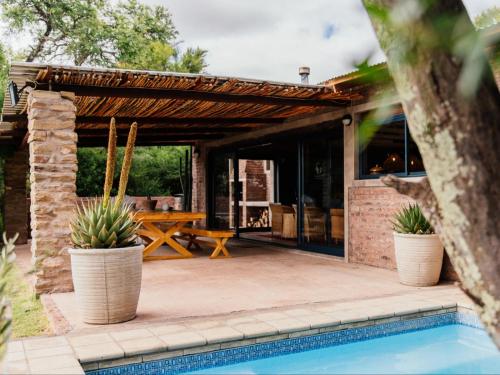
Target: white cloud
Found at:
270, 39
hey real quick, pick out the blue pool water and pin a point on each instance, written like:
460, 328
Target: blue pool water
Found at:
450, 349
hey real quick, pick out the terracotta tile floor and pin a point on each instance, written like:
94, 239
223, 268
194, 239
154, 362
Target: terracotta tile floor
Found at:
258, 277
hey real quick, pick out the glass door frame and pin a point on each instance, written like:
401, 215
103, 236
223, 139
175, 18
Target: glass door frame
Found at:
210, 191
301, 243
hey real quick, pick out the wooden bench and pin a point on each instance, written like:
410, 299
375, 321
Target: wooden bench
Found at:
216, 239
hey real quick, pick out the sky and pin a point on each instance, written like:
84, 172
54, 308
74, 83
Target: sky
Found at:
270, 39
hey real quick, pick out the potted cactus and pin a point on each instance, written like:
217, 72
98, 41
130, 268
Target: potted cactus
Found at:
106, 260
419, 251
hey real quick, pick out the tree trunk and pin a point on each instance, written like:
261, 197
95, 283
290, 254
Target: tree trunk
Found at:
458, 136
37, 49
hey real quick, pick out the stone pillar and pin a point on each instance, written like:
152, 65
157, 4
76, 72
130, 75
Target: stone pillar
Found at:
53, 165
199, 173
16, 204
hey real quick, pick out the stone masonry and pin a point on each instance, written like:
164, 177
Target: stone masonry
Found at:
53, 165
16, 205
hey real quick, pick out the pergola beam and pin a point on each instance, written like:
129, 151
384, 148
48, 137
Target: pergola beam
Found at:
162, 131
179, 94
181, 121
163, 121
122, 138
292, 124
102, 142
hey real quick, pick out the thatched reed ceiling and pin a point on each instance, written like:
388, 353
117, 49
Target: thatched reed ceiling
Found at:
169, 107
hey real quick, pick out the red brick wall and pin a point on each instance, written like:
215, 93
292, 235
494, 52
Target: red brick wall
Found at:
199, 165
255, 180
371, 209
16, 208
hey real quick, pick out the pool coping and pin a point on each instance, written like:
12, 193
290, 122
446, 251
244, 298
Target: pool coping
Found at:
189, 363
74, 354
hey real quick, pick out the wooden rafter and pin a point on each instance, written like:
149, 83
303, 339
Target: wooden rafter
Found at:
162, 121
202, 96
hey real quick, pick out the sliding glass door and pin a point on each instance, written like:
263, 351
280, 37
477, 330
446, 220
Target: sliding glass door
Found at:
288, 193
321, 224
221, 191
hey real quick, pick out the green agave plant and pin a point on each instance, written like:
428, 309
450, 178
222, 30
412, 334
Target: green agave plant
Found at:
108, 223
411, 220
100, 226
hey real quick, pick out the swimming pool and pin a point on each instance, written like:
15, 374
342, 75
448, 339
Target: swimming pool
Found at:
443, 350
447, 343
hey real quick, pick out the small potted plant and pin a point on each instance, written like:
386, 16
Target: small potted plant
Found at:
419, 251
106, 260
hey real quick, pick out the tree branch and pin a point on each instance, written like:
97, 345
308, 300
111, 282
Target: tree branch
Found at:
422, 193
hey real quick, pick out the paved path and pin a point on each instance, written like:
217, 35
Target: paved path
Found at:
195, 305
257, 277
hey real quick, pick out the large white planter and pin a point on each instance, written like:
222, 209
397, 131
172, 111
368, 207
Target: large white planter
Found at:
419, 258
107, 283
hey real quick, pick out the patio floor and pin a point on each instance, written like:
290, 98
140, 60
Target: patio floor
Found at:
257, 277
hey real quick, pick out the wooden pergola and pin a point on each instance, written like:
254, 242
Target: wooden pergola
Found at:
170, 108
65, 107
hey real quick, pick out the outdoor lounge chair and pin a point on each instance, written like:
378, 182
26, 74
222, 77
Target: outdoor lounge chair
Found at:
277, 211
314, 224
337, 218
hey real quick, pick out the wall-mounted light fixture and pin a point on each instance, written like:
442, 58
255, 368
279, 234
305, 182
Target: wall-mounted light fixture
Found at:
14, 93
347, 120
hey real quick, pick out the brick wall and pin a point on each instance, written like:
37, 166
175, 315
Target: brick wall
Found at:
256, 187
16, 211
371, 209
199, 165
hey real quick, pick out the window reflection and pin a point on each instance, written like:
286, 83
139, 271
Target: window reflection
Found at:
415, 163
389, 151
386, 150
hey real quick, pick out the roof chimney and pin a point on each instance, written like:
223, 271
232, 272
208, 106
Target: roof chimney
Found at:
304, 74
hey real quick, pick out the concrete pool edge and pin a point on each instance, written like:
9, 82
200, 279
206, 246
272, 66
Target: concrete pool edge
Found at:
347, 323
72, 354
238, 354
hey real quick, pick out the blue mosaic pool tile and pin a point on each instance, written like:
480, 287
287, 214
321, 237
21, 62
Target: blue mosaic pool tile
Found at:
469, 319
194, 362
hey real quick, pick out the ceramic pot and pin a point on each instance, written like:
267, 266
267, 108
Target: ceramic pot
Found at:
107, 283
419, 258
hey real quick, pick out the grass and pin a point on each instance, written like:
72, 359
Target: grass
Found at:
28, 316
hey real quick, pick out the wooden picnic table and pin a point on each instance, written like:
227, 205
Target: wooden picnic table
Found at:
151, 232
